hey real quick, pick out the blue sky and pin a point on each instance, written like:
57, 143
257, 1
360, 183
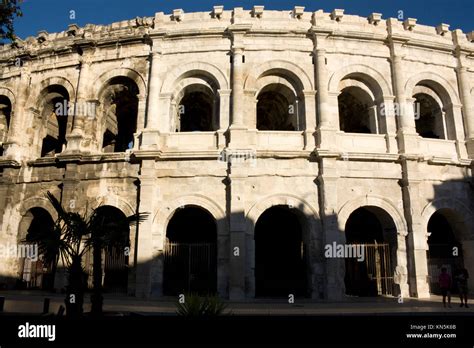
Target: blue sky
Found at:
53, 15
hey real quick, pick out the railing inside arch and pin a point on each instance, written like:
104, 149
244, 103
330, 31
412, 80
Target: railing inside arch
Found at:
190, 268
374, 275
114, 271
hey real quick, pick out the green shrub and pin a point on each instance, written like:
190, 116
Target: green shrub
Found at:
197, 306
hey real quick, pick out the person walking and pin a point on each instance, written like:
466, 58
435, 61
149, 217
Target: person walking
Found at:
461, 281
445, 284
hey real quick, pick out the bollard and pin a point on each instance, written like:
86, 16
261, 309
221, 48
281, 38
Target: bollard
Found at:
46, 306
2, 303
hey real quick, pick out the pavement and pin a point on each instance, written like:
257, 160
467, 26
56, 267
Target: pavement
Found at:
31, 302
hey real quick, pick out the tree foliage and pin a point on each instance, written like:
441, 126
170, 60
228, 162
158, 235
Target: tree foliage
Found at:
9, 9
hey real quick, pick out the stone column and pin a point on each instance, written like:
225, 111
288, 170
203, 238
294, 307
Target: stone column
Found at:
326, 130
237, 88
407, 136
322, 81
238, 134
84, 86
16, 139
153, 92
74, 140
467, 108
154, 117
462, 46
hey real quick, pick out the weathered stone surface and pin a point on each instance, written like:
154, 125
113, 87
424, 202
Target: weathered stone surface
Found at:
231, 57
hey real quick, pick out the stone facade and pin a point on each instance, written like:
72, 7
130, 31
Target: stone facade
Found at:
316, 168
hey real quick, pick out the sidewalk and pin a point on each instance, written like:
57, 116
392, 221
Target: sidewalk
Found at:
29, 302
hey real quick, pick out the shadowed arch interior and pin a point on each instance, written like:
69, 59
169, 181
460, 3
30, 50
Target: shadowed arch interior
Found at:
445, 247
115, 260
120, 107
354, 111
190, 253
278, 109
429, 121
196, 109
373, 230
54, 115
5, 116
36, 274
280, 254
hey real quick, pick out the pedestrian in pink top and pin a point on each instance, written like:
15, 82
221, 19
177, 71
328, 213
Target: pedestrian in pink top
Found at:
445, 285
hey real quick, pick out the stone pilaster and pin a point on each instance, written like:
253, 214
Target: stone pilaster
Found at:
14, 148
146, 259
335, 268
238, 243
417, 238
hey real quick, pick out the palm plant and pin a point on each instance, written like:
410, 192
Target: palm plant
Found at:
107, 234
72, 237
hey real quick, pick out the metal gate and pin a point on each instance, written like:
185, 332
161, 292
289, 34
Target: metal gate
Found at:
191, 268
373, 276
115, 271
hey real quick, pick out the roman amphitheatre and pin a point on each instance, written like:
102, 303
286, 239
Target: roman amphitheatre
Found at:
158, 102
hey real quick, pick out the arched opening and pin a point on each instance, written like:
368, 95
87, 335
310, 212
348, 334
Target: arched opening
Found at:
54, 112
280, 254
115, 261
357, 111
120, 106
196, 109
279, 109
36, 271
5, 115
429, 119
190, 253
370, 248
444, 248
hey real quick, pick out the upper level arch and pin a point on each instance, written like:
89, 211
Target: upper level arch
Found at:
290, 71
437, 83
103, 80
205, 71
376, 82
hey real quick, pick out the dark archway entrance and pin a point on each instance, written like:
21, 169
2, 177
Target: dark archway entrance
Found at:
36, 273
190, 253
280, 255
372, 231
115, 260
444, 249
